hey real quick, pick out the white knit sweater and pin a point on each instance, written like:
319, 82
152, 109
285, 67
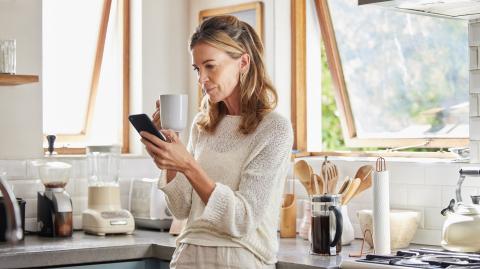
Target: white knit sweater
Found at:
249, 171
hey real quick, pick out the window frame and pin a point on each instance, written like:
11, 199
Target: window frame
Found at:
341, 95
69, 138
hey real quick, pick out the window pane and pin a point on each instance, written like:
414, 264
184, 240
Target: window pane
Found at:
70, 39
107, 117
406, 74
70, 32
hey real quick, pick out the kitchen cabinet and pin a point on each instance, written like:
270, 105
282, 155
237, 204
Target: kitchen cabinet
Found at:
141, 264
13, 80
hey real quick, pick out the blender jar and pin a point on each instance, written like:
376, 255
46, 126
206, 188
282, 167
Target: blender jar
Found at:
102, 164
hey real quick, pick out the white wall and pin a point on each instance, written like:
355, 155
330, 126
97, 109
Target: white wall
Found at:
160, 56
21, 106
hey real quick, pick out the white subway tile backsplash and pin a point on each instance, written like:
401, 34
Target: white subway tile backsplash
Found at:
407, 173
427, 237
423, 186
433, 218
300, 191
79, 205
428, 196
80, 168
32, 171
365, 197
81, 187
448, 193
398, 195
27, 189
138, 168
77, 222
124, 201
15, 169
124, 184
441, 174
31, 208
349, 168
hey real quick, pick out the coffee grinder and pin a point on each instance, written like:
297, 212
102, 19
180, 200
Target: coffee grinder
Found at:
105, 214
54, 205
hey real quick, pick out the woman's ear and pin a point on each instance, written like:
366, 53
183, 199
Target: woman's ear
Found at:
244, 62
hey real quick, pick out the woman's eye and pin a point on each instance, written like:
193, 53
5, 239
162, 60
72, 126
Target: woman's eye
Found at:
196, 69
209, 66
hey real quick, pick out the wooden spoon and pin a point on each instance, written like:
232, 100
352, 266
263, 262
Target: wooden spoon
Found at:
351, 190
364, 173
304, 172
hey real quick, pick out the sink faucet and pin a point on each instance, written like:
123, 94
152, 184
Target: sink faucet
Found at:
14, 226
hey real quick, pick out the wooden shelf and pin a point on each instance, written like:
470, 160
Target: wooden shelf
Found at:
12, 80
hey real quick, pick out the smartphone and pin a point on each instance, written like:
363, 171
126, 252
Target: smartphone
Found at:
142, 122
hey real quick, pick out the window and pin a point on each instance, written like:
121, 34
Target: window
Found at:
401, 79
85, 72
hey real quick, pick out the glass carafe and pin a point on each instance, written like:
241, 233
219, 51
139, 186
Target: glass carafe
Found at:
326, 225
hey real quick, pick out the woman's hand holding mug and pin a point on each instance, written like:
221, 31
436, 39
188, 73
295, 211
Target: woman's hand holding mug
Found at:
156, 116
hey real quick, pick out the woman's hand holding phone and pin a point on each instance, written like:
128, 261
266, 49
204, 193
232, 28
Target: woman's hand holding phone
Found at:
171, 156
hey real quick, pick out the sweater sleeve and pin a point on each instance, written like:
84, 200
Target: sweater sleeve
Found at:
236, 213
178, 192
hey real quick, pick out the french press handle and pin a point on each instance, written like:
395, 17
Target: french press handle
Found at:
338, 225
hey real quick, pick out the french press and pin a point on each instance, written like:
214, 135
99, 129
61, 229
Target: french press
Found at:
326, 225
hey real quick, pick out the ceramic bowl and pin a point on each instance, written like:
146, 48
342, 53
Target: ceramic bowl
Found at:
403, 225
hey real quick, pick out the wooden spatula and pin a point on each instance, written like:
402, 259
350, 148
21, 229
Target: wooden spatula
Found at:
364, 173
330, 175
344, 186
351, 190
321, 183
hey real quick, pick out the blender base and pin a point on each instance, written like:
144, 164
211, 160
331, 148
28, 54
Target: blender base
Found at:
107, 222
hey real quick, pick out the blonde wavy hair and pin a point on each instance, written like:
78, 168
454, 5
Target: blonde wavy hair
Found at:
258, 96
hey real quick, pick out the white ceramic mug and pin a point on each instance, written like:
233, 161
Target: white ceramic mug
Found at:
173, 111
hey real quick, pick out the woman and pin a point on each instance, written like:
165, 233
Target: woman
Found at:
228, 183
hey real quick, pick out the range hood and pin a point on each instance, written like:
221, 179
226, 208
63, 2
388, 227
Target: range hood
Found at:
459, 9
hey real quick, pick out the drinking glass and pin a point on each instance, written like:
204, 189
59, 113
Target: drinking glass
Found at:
7, 56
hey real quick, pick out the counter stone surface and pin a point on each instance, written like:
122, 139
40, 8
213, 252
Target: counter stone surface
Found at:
81, 248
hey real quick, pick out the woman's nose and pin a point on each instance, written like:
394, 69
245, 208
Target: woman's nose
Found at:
202, 77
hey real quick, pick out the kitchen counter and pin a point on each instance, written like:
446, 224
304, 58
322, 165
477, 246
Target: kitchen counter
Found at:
81, 248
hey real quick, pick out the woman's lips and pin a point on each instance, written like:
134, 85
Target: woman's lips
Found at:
210, 89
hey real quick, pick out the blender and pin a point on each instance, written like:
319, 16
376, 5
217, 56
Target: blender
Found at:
105, 214
54, 205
